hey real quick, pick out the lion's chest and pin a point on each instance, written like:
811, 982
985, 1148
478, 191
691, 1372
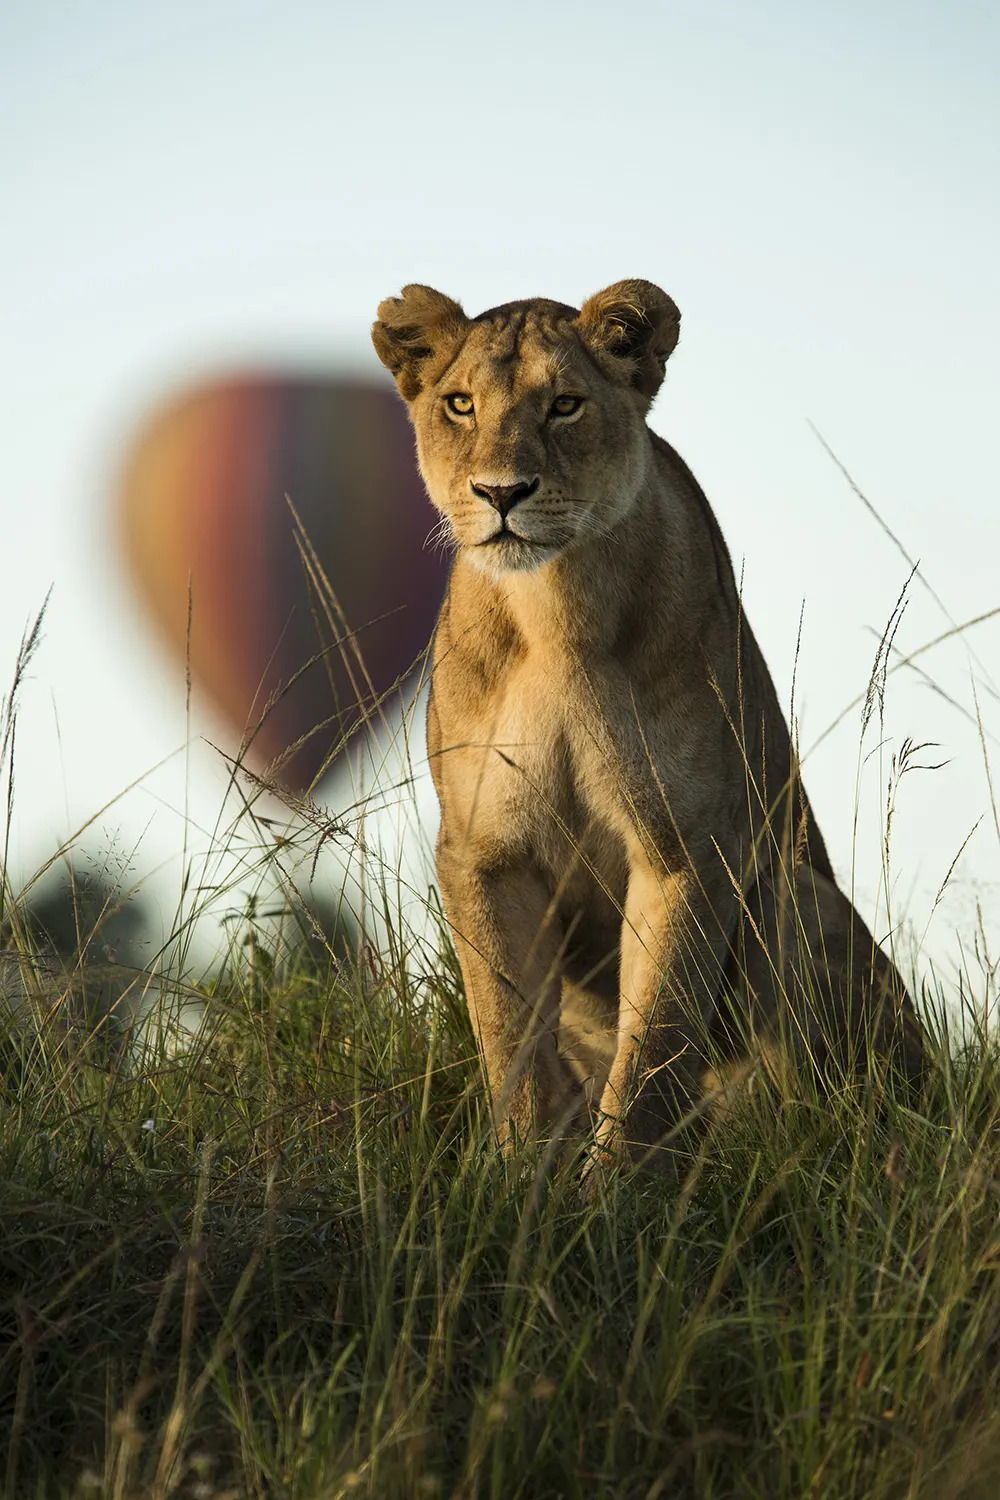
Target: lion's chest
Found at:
530, 773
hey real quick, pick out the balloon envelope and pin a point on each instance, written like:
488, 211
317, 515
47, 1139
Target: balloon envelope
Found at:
295, 509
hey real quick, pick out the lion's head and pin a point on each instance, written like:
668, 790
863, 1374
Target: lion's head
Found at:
530, 418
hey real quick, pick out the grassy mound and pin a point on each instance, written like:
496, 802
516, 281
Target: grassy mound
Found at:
287, 1261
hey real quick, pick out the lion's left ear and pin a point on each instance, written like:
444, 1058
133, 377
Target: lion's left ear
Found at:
633, 321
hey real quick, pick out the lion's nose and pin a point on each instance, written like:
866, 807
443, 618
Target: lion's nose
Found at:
503, 497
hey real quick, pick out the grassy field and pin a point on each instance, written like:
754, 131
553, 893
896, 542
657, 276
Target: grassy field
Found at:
289, 1262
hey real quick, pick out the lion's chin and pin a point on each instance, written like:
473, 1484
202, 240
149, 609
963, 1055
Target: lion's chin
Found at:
511, 554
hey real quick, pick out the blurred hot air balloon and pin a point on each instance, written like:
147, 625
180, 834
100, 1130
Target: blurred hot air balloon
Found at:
295, 509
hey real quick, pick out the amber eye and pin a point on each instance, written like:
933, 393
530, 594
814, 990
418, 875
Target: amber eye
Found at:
565, 406
459, 404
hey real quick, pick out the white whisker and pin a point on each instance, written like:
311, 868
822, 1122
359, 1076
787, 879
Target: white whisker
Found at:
441, 537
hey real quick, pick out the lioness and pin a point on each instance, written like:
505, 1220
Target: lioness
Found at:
626, 855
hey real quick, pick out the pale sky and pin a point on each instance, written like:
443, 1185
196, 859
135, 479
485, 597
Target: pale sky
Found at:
196, 187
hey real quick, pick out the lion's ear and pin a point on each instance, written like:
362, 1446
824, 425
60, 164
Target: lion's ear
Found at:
409, 330
633, 321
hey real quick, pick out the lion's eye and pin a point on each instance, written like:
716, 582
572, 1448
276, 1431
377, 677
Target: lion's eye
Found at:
459, 404
565, 406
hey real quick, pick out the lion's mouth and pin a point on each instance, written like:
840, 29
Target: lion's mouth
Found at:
507, 535
511, 551
500, 537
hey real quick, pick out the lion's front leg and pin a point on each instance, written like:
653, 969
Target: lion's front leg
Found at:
675, 937
508, 940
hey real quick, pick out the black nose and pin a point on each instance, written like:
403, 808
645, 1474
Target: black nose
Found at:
503, 497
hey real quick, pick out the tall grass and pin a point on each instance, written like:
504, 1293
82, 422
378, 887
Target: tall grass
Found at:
280, 1256
290, 1263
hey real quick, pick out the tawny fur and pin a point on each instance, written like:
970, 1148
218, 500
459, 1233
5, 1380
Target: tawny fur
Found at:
627, 856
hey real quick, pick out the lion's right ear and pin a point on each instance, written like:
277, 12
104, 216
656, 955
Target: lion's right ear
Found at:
411, 328
634, 325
